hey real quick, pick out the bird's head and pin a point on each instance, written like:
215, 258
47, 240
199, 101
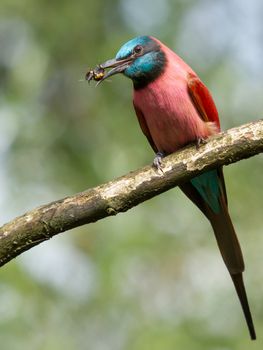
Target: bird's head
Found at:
140, 59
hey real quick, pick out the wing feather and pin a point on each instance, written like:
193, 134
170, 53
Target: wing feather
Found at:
202, 100
144, 127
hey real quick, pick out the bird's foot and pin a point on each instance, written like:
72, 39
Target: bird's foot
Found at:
157, 162
200, 141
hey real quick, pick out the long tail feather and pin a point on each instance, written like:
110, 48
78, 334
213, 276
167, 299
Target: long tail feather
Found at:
242, 295
202, 192
232, 255
227, 240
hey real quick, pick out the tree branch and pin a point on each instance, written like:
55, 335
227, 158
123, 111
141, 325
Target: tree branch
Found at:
127, 191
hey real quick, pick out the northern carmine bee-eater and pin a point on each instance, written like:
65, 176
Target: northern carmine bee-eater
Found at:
174, 108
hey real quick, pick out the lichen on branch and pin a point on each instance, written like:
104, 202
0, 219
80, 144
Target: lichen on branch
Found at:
121, 194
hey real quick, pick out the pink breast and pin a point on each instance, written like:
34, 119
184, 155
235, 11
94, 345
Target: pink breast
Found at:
170, 114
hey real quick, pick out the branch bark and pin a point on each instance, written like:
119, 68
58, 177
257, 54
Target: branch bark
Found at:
121, 194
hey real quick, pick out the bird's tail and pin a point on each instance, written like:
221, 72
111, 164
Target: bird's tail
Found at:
242, 295
232, 255
208, 192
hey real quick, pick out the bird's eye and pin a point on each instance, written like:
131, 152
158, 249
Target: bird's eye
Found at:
138, 49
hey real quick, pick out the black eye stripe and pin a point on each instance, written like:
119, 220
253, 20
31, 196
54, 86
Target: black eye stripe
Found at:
138, 49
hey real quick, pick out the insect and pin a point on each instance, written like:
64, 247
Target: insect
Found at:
95, 74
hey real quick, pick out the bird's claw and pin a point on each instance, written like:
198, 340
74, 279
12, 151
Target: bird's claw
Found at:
200, 141
157, 161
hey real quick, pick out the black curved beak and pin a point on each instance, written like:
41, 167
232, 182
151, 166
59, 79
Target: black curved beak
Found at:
118, 66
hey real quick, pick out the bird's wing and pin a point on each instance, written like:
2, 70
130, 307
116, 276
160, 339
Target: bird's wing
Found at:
144, 127
202, 100
202, 191
207, 110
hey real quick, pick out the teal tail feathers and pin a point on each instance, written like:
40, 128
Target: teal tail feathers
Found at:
208, 192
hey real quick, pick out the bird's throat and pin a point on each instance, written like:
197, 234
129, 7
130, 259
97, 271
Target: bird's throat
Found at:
143, 79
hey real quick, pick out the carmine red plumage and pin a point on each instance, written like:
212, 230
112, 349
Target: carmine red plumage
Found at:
177, 109
169, 109
174, 108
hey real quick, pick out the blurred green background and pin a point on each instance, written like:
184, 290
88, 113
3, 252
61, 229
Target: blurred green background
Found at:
151, 278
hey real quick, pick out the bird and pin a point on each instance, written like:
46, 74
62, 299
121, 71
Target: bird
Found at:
175, 108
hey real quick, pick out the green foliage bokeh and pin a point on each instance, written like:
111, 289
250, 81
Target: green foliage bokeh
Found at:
151, 278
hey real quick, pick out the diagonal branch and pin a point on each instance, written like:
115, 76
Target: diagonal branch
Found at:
127, 191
